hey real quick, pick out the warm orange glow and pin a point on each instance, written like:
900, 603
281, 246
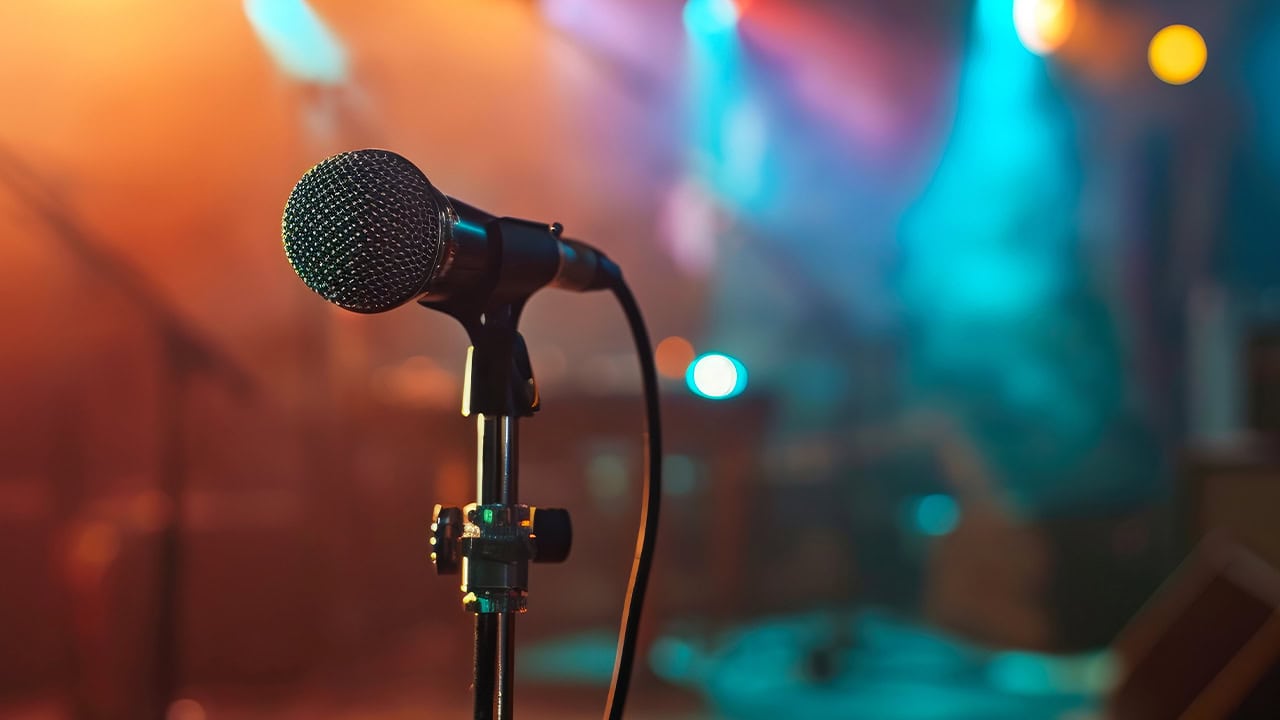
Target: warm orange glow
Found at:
1044, 25
93, 547
417, 382
150, 511
673, 356
1177, 54
186, 710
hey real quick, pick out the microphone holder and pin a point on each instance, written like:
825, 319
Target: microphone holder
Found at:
492, 541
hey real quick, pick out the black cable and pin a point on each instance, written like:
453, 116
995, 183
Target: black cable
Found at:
650, 502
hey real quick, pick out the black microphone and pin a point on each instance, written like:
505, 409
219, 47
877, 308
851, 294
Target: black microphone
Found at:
367, 231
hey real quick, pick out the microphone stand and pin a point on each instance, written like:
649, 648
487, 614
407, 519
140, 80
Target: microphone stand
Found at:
493, 540
501, 391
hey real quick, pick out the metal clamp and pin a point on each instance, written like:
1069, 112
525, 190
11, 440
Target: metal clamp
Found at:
493, 547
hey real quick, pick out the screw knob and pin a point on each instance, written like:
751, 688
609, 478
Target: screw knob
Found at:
553, 535
446, 529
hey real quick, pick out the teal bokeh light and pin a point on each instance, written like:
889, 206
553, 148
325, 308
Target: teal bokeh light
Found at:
936, 514
708, 17
298, 40
1022, 673
716, 376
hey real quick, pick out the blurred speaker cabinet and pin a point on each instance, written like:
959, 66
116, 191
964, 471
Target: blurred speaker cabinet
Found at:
1233, 489
1059, 584
1208, 644
1262, 372
1235, 486
988, 579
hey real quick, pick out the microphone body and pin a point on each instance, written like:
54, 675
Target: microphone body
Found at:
367, 231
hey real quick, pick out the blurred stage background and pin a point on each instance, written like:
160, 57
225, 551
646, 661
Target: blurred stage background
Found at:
998, 280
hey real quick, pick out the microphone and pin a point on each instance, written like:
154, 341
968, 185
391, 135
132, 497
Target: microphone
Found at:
368, 232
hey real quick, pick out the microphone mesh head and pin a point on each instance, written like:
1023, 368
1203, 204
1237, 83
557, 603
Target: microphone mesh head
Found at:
363, 229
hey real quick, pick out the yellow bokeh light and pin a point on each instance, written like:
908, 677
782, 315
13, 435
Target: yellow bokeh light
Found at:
1177, 54
1044, 25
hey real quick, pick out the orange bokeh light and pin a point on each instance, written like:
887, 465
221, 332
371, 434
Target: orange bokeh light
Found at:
673, 356
186, 709
92, 549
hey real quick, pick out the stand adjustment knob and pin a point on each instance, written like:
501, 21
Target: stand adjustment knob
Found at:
446, 529
553, 535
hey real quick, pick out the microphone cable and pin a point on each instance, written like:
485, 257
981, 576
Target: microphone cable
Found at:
651, 500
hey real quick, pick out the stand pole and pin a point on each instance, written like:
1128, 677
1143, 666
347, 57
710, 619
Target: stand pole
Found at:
486, 645
497, 482
508, 490
506, 664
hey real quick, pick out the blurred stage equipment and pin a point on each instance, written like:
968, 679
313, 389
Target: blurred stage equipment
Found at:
1262, 372
187, 352
367, 231
1208, 644
1232, 485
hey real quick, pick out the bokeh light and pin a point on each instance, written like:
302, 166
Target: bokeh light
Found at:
150, 511
679, 474
1177, 54
607, 476
672, 356
1021, 673
936, 514
717, 376
710, 16
299, 41
673, 659
186, 709
92, 549
1044, 25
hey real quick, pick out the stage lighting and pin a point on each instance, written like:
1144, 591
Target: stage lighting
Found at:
298, 40
710, 16
1044, 25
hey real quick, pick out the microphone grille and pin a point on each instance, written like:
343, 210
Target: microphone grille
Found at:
363, 229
